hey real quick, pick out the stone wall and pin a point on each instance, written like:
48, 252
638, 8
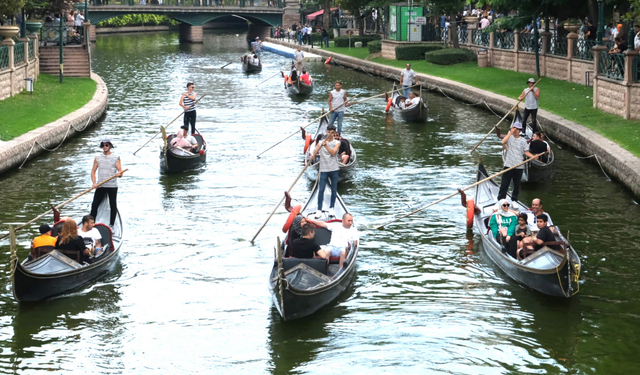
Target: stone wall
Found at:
634, 102
14, 152
192, 34
12, 79
557, 67
578, 70
611, 96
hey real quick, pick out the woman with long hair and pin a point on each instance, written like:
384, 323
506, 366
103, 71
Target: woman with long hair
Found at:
68, 239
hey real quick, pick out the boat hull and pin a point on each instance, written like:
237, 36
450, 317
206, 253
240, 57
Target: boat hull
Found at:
172, 163
300, 89
416, 113
250, 68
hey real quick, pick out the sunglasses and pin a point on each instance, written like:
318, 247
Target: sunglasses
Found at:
105, 145
505, 205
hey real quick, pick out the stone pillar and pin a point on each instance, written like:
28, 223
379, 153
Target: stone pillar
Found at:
516, 46
571, 42
92, 32
36, 53
10, 43
191, 34
291, 13
629, 55
546, 36
492, 44
596, 63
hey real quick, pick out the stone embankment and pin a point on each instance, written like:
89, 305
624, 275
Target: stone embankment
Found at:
616, 161
17, 151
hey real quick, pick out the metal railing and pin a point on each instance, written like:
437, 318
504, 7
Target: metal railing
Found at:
582, 49
504, 40
557, 46
636, 69
196, 3
431, 33
18, 54
31, 50
4, 57
463, 35
479, 38
50, 34
611, 65
527, 43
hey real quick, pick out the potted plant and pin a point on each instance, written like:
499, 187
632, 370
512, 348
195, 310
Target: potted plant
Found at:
34, 9
572, 25
10, 8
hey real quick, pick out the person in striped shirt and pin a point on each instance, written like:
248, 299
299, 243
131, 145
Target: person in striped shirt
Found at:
188, 102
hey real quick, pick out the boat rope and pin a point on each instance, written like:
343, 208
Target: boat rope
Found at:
560, 281
598, 160
14, 255
576, 277
66, 134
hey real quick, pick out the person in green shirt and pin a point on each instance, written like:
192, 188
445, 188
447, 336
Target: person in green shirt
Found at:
503, 225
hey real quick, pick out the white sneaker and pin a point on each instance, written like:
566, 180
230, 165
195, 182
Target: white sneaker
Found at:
332, 213
318, 214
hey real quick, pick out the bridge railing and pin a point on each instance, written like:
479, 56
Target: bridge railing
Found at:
196, 3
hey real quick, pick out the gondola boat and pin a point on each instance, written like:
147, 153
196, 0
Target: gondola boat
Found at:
174, 159
535, 170
248, 67
551, 272
298, 88
300, 287
310, 145
55, 273
412, 114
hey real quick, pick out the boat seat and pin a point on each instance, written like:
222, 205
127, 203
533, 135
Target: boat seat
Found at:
199, 139
41, 250
75, 255
107, 236
319, 265
322, 236
57, 228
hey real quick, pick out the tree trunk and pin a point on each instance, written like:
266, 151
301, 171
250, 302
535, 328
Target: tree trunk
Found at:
453, 32
326, 16
593, 12
359, 23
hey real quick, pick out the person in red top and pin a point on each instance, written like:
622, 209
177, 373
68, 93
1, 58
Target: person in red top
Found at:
305, 78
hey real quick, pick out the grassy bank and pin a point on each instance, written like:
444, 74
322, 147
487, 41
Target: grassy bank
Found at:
49, 102
571, 101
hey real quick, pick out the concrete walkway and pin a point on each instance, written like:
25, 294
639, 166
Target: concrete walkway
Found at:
617, 162
25, 147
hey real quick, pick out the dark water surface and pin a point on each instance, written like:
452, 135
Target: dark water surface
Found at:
190, 292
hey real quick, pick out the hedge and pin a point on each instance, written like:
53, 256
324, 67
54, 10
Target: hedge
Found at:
450, 56
137, 20
415, 51
375, 46
343, 41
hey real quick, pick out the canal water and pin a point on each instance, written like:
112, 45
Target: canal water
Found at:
190, 292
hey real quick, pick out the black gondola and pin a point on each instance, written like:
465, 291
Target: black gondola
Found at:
310, 145
174, 159
54, 273
413, 113
551, 272
300, 287
299, 88
249, 67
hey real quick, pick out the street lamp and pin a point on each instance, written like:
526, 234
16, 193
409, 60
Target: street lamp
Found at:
600, 33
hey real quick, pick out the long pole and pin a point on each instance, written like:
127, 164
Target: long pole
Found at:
177, 117
65, 202
457, 192
281, 200
502, 119
326, 114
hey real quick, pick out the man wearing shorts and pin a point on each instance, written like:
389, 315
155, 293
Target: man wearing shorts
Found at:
342, 235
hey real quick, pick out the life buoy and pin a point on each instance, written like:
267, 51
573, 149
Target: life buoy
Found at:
294, 212
328, 60
307, 142
389, 105
471, 207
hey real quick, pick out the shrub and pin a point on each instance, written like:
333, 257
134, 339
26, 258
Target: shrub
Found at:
137, 20
375, 46
343, 41
415, 51
450, 56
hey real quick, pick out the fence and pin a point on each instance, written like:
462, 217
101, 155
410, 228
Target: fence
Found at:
18, 60
432, 33
528, 43
636, 69
4, 57
557, 46
611, 65
479, 38
18, 54
195, 3
32, 54
582, 49
504, 40
463, 35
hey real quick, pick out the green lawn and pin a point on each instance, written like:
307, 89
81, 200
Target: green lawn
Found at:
49, 102
360, 53
571, 101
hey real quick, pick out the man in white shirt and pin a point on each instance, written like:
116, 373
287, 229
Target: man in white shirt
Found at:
342, 236
414, 99
190, 138
88, 232
408, 78
532, 214
299, 56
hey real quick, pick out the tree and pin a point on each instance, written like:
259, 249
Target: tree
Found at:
355, 7
450, 8
326, 17
9, 8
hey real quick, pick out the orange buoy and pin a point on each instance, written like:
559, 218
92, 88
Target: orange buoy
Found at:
307, 142
388, 105
328, 60
294, 212
471, 207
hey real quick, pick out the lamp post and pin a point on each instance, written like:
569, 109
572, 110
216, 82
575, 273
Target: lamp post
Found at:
600, 33
631, 35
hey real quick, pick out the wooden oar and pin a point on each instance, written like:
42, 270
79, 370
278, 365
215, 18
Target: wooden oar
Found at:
177, 117
457, 192
281, 200
502, 119
223, 66
326, 114
65, 203
275, 74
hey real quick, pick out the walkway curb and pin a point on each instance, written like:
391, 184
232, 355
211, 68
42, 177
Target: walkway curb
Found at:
617, 162
15, 152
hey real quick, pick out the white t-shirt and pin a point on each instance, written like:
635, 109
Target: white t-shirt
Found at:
94, 234
408, 77
484, 23
298, 55
414, 101
79, 19
341, 236
532, 220
191, 140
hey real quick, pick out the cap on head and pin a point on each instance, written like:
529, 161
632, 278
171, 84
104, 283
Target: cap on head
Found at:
106, 141
331, 128
257, 38
44, 228
517, 125
531, 80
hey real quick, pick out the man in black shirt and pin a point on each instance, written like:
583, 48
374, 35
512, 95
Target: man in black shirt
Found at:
538, 146
545, 234
305, 247
591, 31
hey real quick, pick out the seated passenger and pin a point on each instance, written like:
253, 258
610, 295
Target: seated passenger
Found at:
342, 235
69, 240
414, 99
538, 146
305, 247
503, 227
544, 234
532, 214
179, 141
43, 240
90, 234
305, 78
194, 146
523, 235
344, 151
255, 60
293, 77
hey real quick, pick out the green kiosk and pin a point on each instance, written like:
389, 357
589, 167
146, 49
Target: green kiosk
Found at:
402, 22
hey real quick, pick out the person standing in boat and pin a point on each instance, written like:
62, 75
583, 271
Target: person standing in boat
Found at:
257, 46
329, 168
299, 56
516, 148
531, 95
337, 105
408, 78
188, 102
106, 164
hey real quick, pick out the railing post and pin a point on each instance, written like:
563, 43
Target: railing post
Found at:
629, 55
25, 46
545, 36
9, 43
516, 48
